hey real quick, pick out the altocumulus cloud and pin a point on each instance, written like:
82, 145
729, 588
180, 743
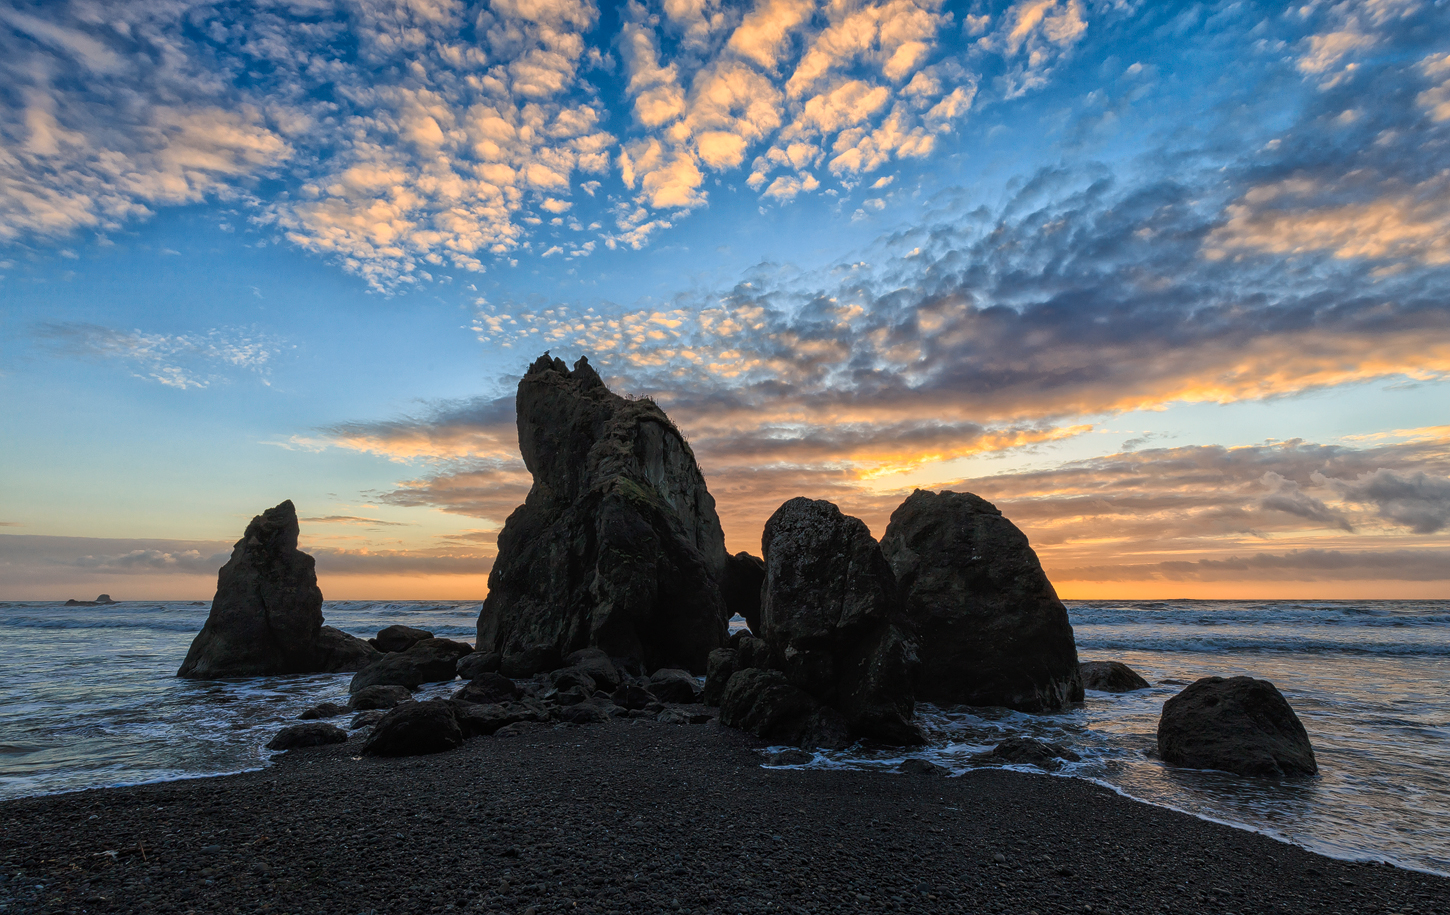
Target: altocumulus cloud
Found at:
436, 134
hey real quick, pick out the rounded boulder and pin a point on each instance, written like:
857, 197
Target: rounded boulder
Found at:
415, 729
1236, 724
311, 734
1110, 677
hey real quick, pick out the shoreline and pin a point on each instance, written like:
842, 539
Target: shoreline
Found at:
1365, 858
643, 816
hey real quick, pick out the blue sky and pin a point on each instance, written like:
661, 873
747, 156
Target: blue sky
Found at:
1165, 281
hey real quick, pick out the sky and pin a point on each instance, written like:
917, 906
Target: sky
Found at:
1169, 283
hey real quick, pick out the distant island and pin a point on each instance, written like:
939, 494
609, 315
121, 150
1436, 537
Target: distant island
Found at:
100, 601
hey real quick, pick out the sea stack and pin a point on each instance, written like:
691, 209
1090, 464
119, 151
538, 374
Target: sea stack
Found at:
990, 627
266, 617
829, 619
617, 547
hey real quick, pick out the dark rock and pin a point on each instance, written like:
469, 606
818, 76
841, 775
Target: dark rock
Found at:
1110, 677
829, 618
427, 661
312, 734
617, 547
674, 685
744, 580
488, 688
717, 673
520, 665
752, 652
479, 662
1239, 725
379, 697
682, 716
765, 703
572, 695
989, 626
609, 708
415, 728
366, 719
737, 637
266, 617
399, 638
572, 678
476, 720
99, 601
599, 665
790, 758
584, 713
323, 710
916, 766
827, 729
632, 696
336, 651
1025, 751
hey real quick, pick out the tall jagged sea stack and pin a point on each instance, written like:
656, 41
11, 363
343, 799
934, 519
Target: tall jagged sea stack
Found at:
617, 547
266, 617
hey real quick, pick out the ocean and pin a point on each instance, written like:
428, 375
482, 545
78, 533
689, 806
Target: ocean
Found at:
88, 698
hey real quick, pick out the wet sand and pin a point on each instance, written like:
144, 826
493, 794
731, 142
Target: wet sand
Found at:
642, 816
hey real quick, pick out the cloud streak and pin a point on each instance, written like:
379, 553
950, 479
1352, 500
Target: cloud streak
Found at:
180, 361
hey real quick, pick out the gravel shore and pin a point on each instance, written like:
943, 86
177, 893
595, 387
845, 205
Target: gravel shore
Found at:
649, 817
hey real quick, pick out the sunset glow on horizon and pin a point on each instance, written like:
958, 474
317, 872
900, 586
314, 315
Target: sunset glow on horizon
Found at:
1168, 283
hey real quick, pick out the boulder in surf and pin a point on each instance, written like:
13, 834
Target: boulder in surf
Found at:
1235, 724
1110, 677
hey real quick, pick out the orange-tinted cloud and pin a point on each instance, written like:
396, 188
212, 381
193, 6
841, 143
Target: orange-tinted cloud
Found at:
1396, 225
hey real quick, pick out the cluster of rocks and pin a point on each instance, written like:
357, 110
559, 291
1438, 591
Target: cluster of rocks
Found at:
589, 689
950, 607
618, 547
612, 591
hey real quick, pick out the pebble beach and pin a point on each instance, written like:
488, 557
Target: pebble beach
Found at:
644, 816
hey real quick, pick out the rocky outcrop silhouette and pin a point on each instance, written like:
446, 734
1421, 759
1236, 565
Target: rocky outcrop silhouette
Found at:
829, 620
617, 547
1239, 725
103, 600
266, 617
990, 627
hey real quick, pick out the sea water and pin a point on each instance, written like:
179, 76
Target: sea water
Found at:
89, 698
